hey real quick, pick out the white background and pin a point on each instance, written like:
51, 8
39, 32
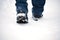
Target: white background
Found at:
47, 28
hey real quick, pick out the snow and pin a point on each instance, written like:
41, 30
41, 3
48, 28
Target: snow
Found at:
47, 28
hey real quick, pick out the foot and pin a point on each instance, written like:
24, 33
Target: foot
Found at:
36, 18
22, 18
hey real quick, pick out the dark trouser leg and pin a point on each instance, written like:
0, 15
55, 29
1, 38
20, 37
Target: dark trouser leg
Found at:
21, 6
38, 7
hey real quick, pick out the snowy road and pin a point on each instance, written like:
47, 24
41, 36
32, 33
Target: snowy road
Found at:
47, 28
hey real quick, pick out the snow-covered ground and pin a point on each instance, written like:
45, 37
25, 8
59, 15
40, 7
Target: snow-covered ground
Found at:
47, 28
